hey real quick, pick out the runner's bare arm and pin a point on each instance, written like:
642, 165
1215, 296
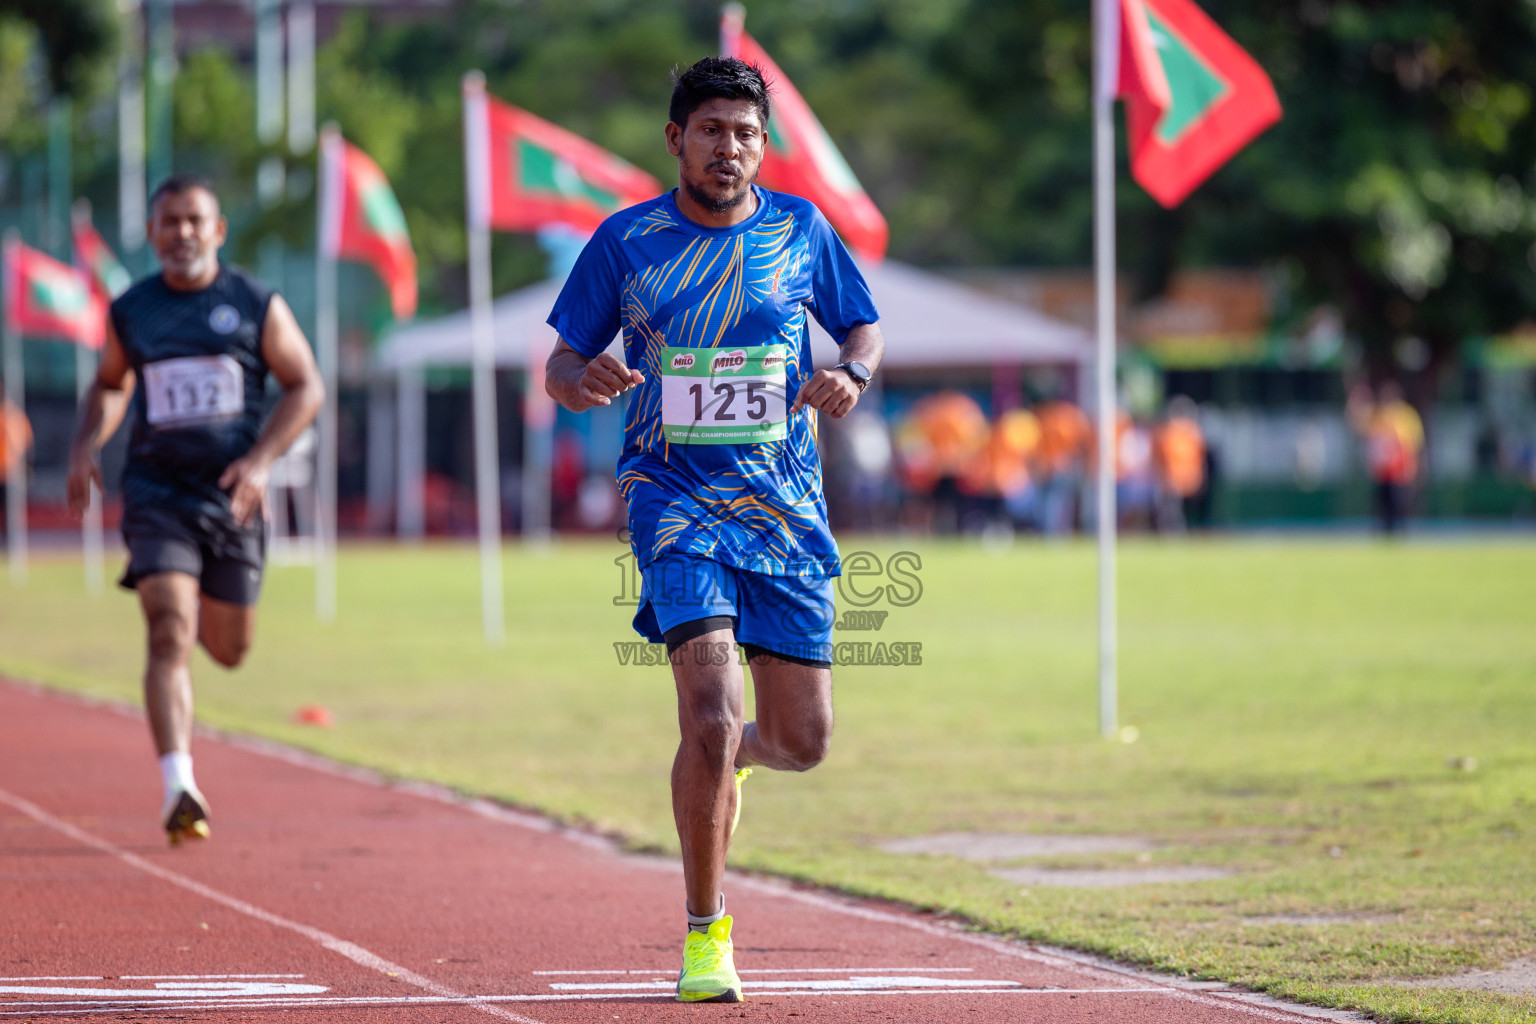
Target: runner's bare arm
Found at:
101, 413
833, 391
579, 383
288, 356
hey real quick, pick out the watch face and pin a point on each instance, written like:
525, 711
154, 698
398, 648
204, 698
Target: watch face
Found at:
860, 371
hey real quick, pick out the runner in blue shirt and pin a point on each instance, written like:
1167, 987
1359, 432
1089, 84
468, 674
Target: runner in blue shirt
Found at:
711, 285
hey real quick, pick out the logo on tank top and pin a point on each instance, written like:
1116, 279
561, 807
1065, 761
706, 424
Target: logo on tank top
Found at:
225, 319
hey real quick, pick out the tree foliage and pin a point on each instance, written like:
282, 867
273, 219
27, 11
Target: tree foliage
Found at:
79, 39
1398, 188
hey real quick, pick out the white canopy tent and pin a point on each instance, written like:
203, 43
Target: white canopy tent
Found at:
928, 321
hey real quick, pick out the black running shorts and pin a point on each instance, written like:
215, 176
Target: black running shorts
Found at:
226, 559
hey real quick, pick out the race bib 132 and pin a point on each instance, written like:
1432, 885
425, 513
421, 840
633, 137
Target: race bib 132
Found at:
193, 389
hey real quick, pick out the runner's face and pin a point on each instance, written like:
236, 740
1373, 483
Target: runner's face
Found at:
187, 232
719, 152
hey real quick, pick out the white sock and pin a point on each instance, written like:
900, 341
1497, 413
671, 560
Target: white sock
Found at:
176, 773
701, 924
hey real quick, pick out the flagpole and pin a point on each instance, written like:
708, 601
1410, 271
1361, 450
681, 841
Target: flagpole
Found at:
326, 356
487, 474
1106, 38
15, 396
131, 192
91, 541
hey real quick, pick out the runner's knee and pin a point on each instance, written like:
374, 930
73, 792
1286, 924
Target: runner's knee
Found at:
803, 748
171, 634
227, 651
712, 724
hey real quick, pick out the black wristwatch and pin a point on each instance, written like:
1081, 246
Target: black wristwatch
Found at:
858, 371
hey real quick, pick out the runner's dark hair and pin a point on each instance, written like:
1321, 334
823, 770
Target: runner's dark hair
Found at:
179, 184
715, 78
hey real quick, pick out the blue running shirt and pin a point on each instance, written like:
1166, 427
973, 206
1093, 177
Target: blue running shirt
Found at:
744, 491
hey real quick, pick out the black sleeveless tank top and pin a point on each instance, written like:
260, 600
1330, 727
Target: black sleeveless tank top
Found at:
201, 386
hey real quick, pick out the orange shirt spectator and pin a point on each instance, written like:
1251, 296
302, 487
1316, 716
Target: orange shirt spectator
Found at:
15, 436
1178, 451
1064, 437
1394, 439
940, 438
1001, 466
1393, 432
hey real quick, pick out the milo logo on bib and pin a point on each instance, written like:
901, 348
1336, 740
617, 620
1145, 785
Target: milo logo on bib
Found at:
728, 396
729, 362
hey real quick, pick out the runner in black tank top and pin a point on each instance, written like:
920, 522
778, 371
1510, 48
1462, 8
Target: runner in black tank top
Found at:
187, 358
198, 407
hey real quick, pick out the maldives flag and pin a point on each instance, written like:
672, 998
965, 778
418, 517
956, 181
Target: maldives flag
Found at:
361, 220
1193, 97
95, 257
526, 173
48, 299
801, 158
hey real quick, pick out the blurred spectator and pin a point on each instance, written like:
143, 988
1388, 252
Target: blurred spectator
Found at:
935, 444
862, 455
1394, 437
1060, 456
997, 479
1178, 457
597, 506
1135, 486
15, 440
567, 470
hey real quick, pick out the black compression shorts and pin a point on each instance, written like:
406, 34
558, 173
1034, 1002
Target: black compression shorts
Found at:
226, 559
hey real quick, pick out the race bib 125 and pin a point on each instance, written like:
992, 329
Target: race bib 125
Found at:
193, 389
724, 395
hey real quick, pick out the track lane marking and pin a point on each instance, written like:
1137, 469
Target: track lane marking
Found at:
376, 1001
774, 970
351, 950
178, 977
1061, 961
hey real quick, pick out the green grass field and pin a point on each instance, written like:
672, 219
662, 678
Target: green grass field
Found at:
1299, 704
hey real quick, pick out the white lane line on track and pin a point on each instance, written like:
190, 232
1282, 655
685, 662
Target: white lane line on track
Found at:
778, 970
859, 984
374, 1001
357, 954
184, 977
1062, 960
172, 990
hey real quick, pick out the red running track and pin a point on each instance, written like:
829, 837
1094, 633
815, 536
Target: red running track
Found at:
329, 895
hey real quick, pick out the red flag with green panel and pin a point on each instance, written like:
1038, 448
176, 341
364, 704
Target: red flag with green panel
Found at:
801, 157
95, 257
1193, 97
48, 299
364, 221
535, 173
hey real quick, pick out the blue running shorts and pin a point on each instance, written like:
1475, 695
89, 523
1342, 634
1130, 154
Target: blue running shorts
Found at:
790, 616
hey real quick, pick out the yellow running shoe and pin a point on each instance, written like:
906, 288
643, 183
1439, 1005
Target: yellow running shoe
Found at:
709, 973
741, 773
186, 816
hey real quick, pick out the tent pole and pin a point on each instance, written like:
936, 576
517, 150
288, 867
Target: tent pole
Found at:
487, 462
1104, 294
411, 434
